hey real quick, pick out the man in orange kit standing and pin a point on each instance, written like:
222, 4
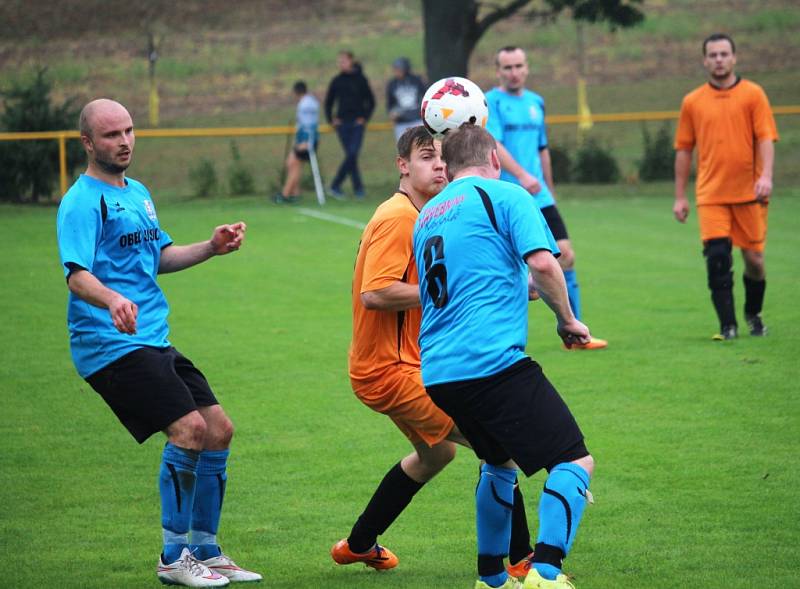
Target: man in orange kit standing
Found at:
730, 122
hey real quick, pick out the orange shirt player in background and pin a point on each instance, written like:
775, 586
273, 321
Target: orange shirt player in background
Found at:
730, 122
385, 361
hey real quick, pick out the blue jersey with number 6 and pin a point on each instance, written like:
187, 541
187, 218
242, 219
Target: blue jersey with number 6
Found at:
470, 243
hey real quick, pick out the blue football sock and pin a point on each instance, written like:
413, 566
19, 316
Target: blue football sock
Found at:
560, 509
176, 484
211, 480
573, 292
494, 499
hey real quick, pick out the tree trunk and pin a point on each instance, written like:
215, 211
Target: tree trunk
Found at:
450, 36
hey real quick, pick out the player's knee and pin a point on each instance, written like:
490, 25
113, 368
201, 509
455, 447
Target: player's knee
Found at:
220, 433
189, 431
434, 460
447, 453
719, 262
754, 264
586, 463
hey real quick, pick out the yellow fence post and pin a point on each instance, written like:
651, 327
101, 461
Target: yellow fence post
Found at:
62, 162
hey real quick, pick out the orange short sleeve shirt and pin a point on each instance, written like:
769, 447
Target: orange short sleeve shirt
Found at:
726, 126
385, 255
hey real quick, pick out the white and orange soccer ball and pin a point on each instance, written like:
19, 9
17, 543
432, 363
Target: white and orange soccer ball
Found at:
451, 102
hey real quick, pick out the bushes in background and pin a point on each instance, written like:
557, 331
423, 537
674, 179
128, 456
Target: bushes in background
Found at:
240, 179
594, 164
29, 169
203, 178
658, 160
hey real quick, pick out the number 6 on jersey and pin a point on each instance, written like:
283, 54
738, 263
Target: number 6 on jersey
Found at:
435, 271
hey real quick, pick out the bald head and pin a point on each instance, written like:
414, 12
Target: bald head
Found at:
108, 138
101, 109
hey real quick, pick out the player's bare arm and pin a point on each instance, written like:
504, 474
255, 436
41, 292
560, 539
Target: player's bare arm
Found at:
548, 281
398, 296
763, 187
509, 164
123, 312
547, 169
224, 240
683, 165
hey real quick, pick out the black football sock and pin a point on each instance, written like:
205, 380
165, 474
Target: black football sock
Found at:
391, 497
753, 296
723, 303
520, 535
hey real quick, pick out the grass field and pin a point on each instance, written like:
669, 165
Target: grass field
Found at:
695, 441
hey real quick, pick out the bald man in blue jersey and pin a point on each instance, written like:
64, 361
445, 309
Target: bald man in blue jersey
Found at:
112, 248
476, 242
517, 122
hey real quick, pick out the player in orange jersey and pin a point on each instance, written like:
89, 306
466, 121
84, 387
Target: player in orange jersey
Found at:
730, 122
384, 355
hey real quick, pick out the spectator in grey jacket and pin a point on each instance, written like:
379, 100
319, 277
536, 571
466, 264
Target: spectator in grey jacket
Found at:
403, 97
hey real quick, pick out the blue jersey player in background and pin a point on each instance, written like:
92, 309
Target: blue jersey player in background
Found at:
112, 248
475, 244
517, 122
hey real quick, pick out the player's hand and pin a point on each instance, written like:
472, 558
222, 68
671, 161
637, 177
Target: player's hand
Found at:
763, 189
573, 332
361, 121
123, 314
681, 209
336, 122
228, 238
530, 183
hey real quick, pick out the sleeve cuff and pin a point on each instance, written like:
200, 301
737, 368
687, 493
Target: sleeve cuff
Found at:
72, 267
538, 249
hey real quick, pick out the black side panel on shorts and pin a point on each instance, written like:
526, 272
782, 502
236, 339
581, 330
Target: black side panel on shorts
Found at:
487, 204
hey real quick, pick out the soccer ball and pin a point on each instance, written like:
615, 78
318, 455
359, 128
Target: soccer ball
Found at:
451, 102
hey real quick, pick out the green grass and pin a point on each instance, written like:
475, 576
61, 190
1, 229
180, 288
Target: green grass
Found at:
694, 440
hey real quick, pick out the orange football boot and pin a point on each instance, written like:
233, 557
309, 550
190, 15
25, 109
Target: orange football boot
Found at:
594, 344
378, 557
521, 569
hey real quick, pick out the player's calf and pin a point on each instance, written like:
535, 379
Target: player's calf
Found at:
564, 498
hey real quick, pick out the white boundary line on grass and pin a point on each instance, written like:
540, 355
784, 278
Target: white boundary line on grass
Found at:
331, 218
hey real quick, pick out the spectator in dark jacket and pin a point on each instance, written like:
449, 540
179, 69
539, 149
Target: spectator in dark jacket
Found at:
354, 101
404, 96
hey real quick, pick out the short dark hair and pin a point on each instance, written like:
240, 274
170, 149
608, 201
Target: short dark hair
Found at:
413, 137
466, 147
718, 37
300, 87
506, 49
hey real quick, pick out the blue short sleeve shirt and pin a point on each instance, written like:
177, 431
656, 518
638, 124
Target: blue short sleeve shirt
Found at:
470, 243
113, 233
518, 123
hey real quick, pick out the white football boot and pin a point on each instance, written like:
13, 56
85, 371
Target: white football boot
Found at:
189, 572
225, 566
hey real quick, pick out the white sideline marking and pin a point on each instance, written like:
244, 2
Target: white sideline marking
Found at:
331, 218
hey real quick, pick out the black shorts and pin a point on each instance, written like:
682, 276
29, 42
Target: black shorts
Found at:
301, 154
515, 414
555, 222
150, 388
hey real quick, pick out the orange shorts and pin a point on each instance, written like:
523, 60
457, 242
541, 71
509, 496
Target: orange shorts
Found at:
398, 392
745, 224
